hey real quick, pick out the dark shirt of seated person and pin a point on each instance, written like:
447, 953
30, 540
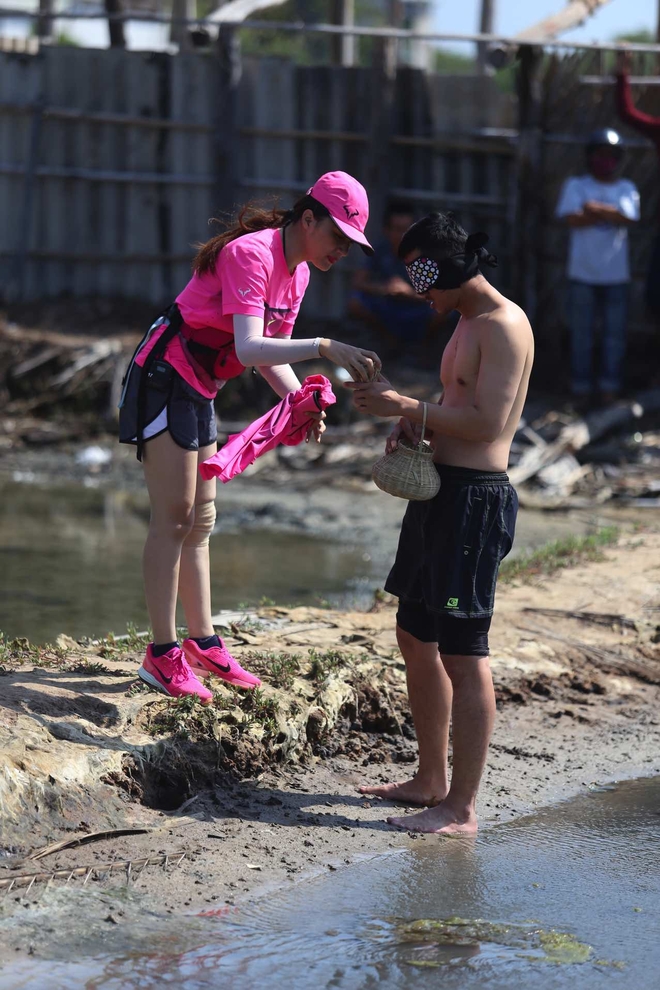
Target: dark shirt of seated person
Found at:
383, 297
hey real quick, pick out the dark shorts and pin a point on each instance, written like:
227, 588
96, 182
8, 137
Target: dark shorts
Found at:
170, 404
455, 637
449, 553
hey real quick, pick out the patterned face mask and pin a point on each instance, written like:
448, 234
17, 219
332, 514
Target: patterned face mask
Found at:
423, 274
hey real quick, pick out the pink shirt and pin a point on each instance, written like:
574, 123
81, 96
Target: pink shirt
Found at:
251, 278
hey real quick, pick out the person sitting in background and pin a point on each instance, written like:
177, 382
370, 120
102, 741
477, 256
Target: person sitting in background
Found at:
384, 298
598, 207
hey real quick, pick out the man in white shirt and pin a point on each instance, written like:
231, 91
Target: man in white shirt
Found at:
598, 207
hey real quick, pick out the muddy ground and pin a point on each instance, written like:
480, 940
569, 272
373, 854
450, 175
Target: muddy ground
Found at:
260, 792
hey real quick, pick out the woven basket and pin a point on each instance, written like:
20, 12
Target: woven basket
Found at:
408, 472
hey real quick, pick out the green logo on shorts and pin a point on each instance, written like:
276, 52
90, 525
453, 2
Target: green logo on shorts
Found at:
452, 603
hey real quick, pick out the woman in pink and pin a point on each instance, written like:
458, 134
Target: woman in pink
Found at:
238, 310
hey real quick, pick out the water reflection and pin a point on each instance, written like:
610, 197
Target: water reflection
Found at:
71, 561
563, 898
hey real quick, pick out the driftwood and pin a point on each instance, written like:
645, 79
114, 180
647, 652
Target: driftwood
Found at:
606, 659
81, 840
42, 369
553, 463
31, 364
594, 618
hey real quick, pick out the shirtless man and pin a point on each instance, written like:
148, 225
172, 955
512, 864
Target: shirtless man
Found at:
451, 547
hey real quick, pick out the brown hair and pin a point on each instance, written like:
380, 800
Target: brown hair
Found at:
250, 219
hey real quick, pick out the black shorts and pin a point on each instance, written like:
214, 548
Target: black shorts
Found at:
170, 404
455, 637
451, 547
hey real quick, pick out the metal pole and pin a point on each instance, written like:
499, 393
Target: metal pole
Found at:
343, 45
115, 25
182, 12
486, 24
45, 22
348, 40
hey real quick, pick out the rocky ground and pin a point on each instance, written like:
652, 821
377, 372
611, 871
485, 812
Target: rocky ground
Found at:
261, 790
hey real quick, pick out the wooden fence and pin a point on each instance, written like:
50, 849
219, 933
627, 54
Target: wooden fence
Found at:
111, 162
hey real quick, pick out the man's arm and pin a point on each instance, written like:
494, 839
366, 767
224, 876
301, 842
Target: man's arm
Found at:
502, 364
646, 124
604, 213
579, 219
570, 206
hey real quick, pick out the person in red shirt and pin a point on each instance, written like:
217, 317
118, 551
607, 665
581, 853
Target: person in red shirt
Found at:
649, 126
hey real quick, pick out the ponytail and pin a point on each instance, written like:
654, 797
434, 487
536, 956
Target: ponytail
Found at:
251, 219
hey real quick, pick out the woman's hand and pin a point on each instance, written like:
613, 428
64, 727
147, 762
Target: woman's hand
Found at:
318, 428
362, 365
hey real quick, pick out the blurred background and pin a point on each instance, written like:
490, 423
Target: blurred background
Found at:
126, 124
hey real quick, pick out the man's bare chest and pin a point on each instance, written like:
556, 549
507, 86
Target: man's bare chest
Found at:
461, 359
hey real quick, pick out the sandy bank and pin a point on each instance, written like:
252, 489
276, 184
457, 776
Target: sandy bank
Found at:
269, 783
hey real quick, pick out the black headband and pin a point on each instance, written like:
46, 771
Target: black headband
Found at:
427, 272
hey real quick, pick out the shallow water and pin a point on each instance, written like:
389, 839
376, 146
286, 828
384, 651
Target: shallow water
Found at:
587, 870
71, 561
70, 557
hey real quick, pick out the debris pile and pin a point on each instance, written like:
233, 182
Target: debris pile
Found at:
61, 386
560, 461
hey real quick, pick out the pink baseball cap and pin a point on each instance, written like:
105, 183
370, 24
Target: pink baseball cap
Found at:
346, 201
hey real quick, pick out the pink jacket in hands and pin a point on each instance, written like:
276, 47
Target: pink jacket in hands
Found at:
288, 422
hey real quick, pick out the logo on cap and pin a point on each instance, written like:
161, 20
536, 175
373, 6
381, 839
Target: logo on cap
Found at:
351, 213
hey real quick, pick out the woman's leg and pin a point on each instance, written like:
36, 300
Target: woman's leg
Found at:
171, 476
205, 651
195, 572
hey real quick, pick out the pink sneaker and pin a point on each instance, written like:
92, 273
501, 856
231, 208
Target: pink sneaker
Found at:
172, 675
218, 661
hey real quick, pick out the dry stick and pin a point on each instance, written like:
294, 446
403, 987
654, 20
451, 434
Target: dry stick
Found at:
9, 883
604, 657
81, 840
597, 618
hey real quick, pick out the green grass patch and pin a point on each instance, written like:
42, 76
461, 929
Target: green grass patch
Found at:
279, 668
322, 664
555, 556
188, 718
184, 717
260, 709
90, 667
21, 650
132, 642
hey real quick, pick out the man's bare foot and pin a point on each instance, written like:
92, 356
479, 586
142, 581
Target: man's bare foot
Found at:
408, 792
440, 820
